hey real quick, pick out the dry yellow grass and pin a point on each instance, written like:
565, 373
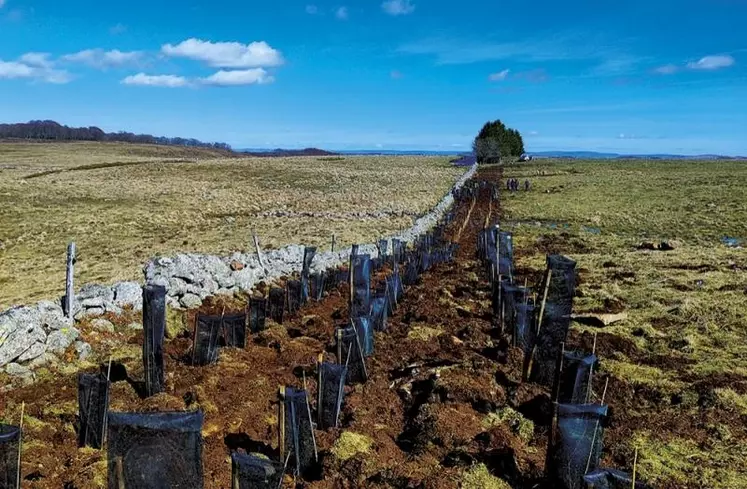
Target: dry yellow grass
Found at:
122, 204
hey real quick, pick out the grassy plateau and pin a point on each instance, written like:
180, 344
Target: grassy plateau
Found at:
678, 363
123, 204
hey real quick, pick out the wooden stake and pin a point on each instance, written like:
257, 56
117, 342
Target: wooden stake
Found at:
70, 274
256, 247
635, 467
120, 472
20, 445
591, 371
319, 360
333, 243
539, 321
106, 403
281, 420
604, 392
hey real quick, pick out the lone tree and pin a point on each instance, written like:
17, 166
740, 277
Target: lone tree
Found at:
495, 140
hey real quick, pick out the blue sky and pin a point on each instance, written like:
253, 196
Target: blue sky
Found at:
636, 76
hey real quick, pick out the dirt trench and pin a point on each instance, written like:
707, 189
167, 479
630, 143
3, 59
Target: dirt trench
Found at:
444, 391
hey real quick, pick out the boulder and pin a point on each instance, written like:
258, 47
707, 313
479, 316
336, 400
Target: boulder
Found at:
91, 312
51, 316
135, 326
20, 329
59, 341
128, 294
45, 359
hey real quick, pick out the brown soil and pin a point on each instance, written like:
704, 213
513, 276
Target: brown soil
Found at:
424, 405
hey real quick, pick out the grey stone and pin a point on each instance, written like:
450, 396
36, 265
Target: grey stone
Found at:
210, 286
102, 324
36, 350
92, 302
191, 301
177, 287
128, 294
51, 316
95, 291
224, 292
83, 350
46, 359
59, 341
20, 328
92, 312
113, 308
20, 372
135, 326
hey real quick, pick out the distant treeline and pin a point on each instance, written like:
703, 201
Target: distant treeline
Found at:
53, 131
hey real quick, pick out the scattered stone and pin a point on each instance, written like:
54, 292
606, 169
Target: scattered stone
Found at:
95, 291
45, 359
102, 324
135, 326
58, 341
83, 350
236, 265
20, 328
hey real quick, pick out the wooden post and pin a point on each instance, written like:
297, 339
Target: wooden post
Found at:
635, 467
69, 292
256, 247
591, 370
539, 322
20, 445
106, 414
333, 243
120, 473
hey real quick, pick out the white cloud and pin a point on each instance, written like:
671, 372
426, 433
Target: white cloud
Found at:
712, 62
39, 60
98, 58
398, 7
500, 76
117, 29
669, 69
342, 13
18, 69
226, 54
311, 9
170, 81
224, 78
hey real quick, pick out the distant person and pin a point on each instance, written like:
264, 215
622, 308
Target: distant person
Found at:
526, 185
508, 184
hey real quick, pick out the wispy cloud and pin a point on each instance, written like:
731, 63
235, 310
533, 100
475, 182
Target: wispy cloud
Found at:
564, 46
255, 76
534, 76
169, 81
669, 69
342, 13
500, 76
226, 54
117, 29
100, 59
396, 75
33, 66
714, 62
617, 64
398, 7
312, 9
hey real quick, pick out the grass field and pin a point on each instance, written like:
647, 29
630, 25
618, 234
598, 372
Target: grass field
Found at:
681, 356
124, 203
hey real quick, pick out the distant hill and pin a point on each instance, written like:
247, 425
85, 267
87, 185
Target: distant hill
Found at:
287, 152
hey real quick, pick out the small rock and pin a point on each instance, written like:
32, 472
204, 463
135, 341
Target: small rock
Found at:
135, 326
83, 350
20, 372
58, 341
93, 291
224, 292
191, 301
102, 324
92, 312
92, 302
46, 359
236, 265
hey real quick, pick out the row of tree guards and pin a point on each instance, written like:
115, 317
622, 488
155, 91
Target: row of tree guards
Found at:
164, 449
537, 321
